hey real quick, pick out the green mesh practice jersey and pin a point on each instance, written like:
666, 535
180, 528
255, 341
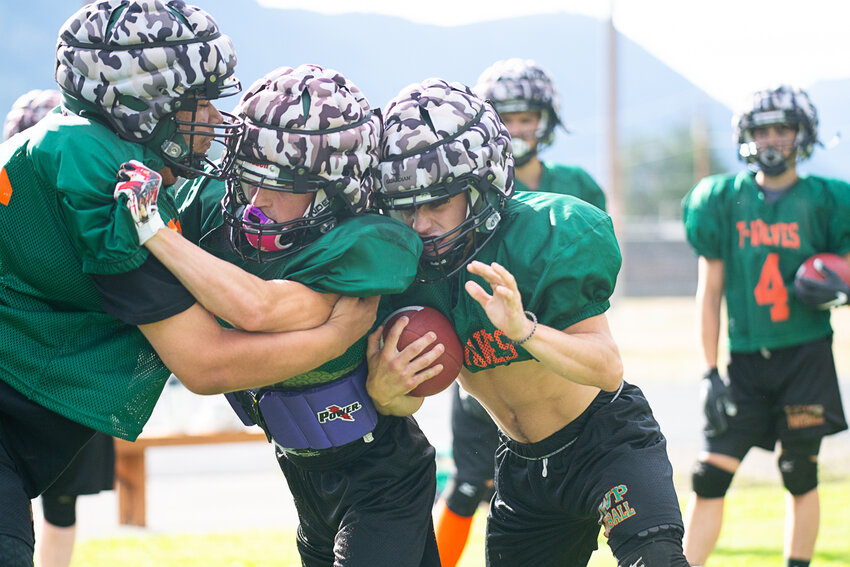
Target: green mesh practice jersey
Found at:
363, 256
57, 346
568, 180
762, 245
565, 258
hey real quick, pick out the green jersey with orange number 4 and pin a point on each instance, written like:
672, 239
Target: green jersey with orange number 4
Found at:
762, 244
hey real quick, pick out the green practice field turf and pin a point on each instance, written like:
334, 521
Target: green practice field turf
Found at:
751, 537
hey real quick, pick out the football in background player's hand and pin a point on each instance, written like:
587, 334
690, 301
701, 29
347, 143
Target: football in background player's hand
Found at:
823, 281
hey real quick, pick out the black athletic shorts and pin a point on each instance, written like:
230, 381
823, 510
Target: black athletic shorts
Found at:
474, 440
36, 445
367, 504
91, 471
786, 394
608, 467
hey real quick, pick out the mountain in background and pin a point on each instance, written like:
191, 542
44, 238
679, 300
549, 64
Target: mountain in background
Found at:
381, 54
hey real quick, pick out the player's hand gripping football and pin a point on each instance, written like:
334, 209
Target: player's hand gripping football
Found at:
393, 372
824, 294
717, 403
140, 185
504, 307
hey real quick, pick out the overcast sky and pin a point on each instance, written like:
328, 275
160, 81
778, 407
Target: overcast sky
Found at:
726, 47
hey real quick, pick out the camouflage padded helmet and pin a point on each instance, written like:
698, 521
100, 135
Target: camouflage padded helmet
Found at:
28, 109
784, 105
307, 130
441, 140
138, 62
519, 85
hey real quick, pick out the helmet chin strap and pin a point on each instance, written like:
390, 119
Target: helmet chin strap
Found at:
522, 151
772, 162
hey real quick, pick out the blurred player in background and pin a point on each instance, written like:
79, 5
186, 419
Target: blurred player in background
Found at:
751, 232
93, 469
28, 109
296, 207
527, 101
578, 447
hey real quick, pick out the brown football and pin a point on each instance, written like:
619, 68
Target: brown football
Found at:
420, 321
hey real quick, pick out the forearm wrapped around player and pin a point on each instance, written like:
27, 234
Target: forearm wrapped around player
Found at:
236, 296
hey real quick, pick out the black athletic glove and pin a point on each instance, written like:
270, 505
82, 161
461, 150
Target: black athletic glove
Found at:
717, 403
822, 294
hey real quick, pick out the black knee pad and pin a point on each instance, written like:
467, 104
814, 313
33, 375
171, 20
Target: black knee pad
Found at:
464, 497
660, 546
709, 481
799, 467
60, 511
15, 552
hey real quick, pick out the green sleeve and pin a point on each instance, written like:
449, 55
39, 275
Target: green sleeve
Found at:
562, 252
704, 218
590, 190
81, 160
363, 256
570, 180
839, 225
567, 270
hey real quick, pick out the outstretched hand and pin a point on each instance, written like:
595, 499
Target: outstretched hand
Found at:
504, 307
140, 185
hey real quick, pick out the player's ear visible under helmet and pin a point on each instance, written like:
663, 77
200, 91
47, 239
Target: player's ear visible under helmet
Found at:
441, 140
136, 63
307, 130
518, 85
782, 105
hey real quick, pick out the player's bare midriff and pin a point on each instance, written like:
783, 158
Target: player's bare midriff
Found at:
527, 401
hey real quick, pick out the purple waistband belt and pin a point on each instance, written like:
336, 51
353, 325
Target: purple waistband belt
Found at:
330, 415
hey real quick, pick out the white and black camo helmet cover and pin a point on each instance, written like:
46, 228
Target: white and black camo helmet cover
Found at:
436, 130
28, 109
314, 119
518, 85
783, 104
440, 139
135, 59
307, 129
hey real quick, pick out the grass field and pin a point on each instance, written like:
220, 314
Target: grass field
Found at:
751, 537
657, 342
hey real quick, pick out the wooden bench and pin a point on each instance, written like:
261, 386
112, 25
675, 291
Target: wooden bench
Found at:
130, 473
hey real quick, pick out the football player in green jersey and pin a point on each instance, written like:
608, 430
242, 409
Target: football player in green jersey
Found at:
579, 447
296, 207
527, 102
90, 324
751, 232
93, 468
